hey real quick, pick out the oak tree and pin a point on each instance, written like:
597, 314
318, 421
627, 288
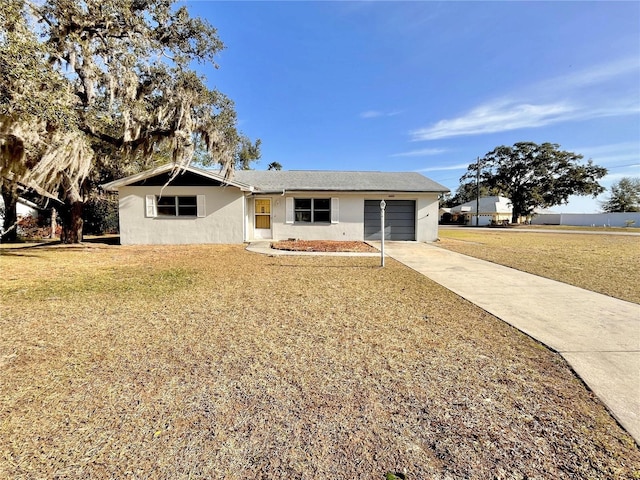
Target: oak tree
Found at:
465, 193
127, 65
36, 107
536, 176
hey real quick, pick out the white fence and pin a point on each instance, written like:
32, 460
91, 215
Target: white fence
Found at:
588, 219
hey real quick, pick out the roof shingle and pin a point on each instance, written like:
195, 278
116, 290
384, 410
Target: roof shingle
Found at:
317, 180
302, 180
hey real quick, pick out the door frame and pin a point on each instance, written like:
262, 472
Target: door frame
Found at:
263, 233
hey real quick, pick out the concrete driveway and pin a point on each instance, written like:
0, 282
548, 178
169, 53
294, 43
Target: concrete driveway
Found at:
599, 336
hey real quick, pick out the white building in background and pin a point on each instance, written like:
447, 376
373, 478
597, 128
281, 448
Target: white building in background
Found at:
24, 208
493, 211
617, 219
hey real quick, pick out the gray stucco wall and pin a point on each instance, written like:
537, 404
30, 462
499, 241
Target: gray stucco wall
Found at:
427, 218
350, 224
222, 221
228, 219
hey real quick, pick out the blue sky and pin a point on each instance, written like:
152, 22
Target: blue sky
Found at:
430, 86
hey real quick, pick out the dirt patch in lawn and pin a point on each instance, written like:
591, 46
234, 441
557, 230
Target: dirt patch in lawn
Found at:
215, 362
322, 246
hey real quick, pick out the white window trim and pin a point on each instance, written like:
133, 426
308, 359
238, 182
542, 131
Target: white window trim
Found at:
151, 210
335, 210
201, 210
289, 213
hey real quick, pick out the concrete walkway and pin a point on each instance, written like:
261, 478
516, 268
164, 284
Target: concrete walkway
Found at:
599, 336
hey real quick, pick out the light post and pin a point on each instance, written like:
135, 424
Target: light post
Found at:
477, 191
383, 205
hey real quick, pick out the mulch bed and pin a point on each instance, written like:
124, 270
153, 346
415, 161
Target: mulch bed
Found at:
322, 246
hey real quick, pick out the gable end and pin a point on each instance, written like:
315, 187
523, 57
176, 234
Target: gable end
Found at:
186, 179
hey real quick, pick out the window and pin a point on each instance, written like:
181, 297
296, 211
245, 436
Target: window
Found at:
302, 209
322, 210
170, 206
309, 210
174, 206
312, 210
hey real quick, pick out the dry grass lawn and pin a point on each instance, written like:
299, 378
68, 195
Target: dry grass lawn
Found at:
213, 362
606, 264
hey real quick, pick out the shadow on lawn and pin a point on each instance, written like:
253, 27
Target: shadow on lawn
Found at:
4, 252
107, 240
91, 242
342, 267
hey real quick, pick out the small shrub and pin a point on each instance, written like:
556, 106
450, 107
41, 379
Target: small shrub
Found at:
101, 215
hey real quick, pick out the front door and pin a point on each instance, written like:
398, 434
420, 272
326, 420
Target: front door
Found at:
262, 218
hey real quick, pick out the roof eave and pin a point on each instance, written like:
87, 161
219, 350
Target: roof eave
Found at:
328, 190
123, 182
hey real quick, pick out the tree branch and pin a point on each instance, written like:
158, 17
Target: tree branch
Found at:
119, 142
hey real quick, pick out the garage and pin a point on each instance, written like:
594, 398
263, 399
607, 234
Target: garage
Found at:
400, 220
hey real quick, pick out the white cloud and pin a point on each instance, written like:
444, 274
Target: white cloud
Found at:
498, 117
378, 113
610, 148
595, 75
371, 114
459, 166
624, 152
502, 116
589, 93
425, 152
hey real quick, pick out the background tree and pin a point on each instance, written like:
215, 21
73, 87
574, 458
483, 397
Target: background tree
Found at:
274, 166
536, 176
465, 193
625, 196
246, 153
127, 67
